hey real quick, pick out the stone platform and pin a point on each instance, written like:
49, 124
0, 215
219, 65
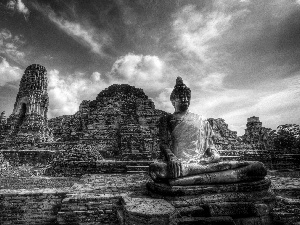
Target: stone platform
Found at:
95, 199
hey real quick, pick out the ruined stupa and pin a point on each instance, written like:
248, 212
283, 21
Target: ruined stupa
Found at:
28, 122
121, 123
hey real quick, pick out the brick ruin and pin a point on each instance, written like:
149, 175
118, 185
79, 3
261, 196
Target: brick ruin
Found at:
224, 137
255, 137
121, 123
28, 122
258, 135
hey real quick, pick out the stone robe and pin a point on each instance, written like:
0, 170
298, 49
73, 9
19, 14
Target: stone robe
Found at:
191, 137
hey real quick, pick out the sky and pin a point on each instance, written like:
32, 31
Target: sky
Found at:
241, 58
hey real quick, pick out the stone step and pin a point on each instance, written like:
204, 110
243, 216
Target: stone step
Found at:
137, 168
87, 209
141, 171
222, 220
194, 211
81, 217
285, 218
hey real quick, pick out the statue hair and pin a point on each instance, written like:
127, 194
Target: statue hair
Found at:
180, 87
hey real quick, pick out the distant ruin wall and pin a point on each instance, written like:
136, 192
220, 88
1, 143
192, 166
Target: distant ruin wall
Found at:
273, 159
30, 157
79, 168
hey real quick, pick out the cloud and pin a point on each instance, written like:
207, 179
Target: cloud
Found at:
18, 6
96, 76
238, 56
5, 34
212, 82
147, 72
22, 8
85, 35
66, 92
274, 102
196, 31
11, 4
9, 45
163, 101
198, 35
8, 73
81, 31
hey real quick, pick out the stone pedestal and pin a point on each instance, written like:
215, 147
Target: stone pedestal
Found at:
240, 203
247, 187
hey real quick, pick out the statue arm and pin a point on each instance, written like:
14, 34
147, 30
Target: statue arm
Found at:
166, 151
174, 166
165, 139
211, 154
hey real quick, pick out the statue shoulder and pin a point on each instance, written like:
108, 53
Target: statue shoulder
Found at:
207, 123
198, 117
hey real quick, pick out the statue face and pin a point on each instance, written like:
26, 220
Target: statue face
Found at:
181, 102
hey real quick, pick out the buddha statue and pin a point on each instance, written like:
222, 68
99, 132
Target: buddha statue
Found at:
190, 156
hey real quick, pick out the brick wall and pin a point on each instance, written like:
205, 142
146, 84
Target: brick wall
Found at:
93, 200
30, 207
54, 206
89, 209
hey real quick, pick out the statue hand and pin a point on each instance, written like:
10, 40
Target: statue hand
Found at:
175, 168
204, 161
172, 157
210, 156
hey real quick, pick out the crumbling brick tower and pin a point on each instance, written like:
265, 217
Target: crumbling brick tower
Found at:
28, 122
253, 131
258, 135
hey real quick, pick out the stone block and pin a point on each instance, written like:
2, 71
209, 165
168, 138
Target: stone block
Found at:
237, 209
147, 211
192, 211
258, 220
221, 220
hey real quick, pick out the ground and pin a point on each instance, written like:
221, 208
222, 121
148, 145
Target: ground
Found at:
285, 184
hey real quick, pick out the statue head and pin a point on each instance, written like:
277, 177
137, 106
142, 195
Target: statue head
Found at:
180, 96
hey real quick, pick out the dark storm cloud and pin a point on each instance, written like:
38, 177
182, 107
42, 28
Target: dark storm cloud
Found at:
288, 40
264, 45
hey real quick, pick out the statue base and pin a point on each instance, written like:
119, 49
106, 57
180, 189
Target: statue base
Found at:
241, 203
168, 190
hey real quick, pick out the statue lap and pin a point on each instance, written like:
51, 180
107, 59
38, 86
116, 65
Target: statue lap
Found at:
213, 173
